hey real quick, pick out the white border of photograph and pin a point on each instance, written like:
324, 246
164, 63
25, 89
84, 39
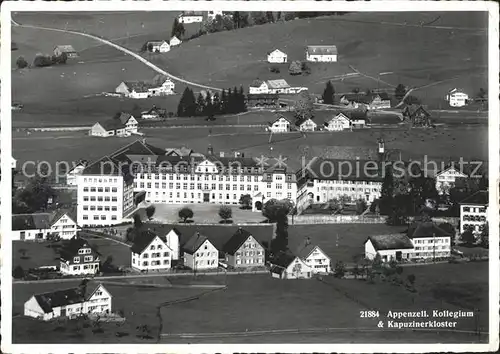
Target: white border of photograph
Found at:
378, 6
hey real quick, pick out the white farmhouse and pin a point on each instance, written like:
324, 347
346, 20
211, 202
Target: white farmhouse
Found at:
68, 303
200, 253
321, 53
307, 125
258, 87
76, 170
337, 123
445, 180
36, 227
174, 41
279, 86
134, 89
151, 252
474, 212
123, 124
78, 257
158, 46
288, 266
429, 240
190, 17
280, 125
314, 257
390, 247
162, 86
457, 98
277, 56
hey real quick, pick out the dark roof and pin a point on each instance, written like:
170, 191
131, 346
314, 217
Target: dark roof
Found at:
384, 118
256, 83
390, 242
194, 243
365, 98
235, 242
51, 300
480, 198
139, 86
71, 213
143, 240
413, 109
124, 117
284, 259
104, 166
112, 124
425, 229
70, 249
322, 49
41, 221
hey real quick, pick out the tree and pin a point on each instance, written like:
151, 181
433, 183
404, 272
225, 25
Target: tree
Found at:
387, 193
295, 68
304, 106
61, 59
275, 210
150, 211
201, 105
137, 221
130, 234
482, 93
225, 213
448, 228
216, 104
42, 60
411, 280
356, 271
328, 93
242, 106
178, 29
35, 196
82, 287
246, 201
21, 63
236, 19
305, 68
18, 272
340, 268
223, 102
150, 47
485, 236
187, 104
360, 206
335, 205
400, 92
185, 213
467, 237
377, 262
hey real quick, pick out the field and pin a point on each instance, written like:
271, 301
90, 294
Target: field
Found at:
439, 144
68, 99
252, 302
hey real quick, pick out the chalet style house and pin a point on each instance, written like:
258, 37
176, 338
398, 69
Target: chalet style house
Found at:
244, 251
78, 258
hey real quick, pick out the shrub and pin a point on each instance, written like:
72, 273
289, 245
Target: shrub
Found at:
274, 69
295, 68
21, 63
42, 61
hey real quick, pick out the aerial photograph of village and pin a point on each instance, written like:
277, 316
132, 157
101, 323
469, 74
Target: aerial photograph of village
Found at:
249, 177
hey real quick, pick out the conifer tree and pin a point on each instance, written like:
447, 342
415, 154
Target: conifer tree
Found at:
242, 106
223, 102
229, 99
181, 107
190, 104
328, 93
200, 105
216, 103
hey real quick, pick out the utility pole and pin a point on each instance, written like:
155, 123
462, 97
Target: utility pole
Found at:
434, 246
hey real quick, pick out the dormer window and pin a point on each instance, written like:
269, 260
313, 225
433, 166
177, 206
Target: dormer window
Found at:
76, 259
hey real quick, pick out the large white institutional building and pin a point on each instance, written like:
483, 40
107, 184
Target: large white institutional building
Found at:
110, 188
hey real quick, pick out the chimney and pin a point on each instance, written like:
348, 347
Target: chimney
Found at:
210, 150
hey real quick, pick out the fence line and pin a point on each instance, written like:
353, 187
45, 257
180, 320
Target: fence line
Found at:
338, 219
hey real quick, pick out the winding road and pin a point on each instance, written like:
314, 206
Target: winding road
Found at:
124, 50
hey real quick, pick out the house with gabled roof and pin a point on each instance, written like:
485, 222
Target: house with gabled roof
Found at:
338, 122
134, 89
429, 240
280, 125
314, 257
122, 124
66, 49
242, 250
306, 125
277, 56
200, 253
68, 303
150, 252
321, 53
279, 86
390, 247
76, 170
288, 266
154, 113
78, 257
158, 46
417, 115
445, 179
174, 41
258, 87
474, 212
457, 97
36, 227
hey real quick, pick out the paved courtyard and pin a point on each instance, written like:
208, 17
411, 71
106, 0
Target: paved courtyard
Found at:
204, 213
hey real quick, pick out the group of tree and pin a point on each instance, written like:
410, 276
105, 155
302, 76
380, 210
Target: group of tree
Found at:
225, 213
298, 67
34, 197
304, 106
178, 29
43, 60
400, 92
246, 201
228, 102
277, 211
329, 93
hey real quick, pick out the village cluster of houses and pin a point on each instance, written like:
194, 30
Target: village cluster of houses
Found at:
286, 122
162, 46
280, 87
313, 53
158, 86
122, 125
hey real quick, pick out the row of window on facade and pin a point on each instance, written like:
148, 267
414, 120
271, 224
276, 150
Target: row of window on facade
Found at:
102, 217
439, 240
153, 263
100, 180
85, 259
100, 189
431, 248
347, 189
477, 218
156, 255
249, 253
249, 261
100, 199
474, 209
87, 266
476, 227
235, 196
100, 208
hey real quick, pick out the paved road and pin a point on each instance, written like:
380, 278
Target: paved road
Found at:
123, 49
